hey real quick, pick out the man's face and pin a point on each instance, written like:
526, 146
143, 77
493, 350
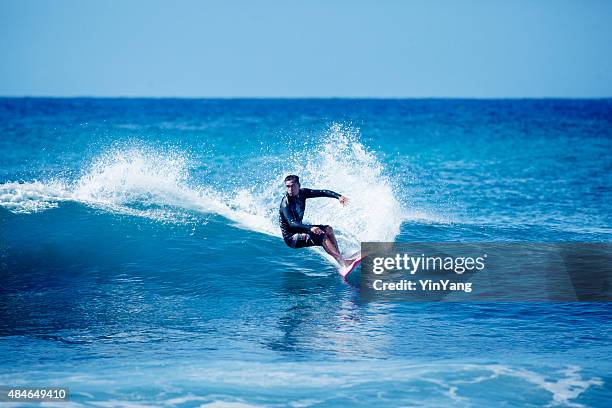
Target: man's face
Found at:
293, 188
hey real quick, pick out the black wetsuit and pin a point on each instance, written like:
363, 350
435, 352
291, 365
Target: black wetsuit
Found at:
295, 233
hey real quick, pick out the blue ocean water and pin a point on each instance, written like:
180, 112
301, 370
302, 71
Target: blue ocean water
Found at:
141, 263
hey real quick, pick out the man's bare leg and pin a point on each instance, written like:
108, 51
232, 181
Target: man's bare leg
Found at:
329, 235
331, 249
329, 232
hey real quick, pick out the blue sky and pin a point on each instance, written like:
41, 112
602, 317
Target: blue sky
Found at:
482, 49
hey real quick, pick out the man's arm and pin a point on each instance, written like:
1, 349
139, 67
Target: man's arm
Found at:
293, 223
308, 193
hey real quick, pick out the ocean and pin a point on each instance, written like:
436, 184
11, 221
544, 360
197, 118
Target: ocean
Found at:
141, 262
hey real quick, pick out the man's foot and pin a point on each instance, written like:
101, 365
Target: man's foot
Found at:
354, 256
349, 266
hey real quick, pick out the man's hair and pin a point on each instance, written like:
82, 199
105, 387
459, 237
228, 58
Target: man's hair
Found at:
292, 177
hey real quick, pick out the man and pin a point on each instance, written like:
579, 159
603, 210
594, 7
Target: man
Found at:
299, 235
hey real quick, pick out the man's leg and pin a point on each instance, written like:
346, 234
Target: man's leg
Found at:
329, 233
329, 236
301, 240
331, 249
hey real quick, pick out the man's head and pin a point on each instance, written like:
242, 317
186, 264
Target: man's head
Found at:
292, 183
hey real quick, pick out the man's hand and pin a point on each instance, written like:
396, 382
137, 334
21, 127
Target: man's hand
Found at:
317, 230
343, 200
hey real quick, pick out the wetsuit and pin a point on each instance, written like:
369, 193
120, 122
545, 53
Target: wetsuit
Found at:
295, 233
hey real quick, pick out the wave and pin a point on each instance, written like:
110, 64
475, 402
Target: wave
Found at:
435, 384
145, 181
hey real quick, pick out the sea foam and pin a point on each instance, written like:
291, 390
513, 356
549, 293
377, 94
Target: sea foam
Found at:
145, 181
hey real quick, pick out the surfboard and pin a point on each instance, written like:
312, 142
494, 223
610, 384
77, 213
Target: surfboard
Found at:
346, 271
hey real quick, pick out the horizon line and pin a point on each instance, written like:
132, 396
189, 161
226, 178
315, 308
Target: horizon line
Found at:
308, 97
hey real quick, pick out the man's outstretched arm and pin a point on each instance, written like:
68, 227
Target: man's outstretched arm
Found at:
309, 193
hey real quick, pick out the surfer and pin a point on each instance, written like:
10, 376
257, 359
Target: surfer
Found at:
299, 235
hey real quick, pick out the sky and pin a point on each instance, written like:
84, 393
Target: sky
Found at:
334, 48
